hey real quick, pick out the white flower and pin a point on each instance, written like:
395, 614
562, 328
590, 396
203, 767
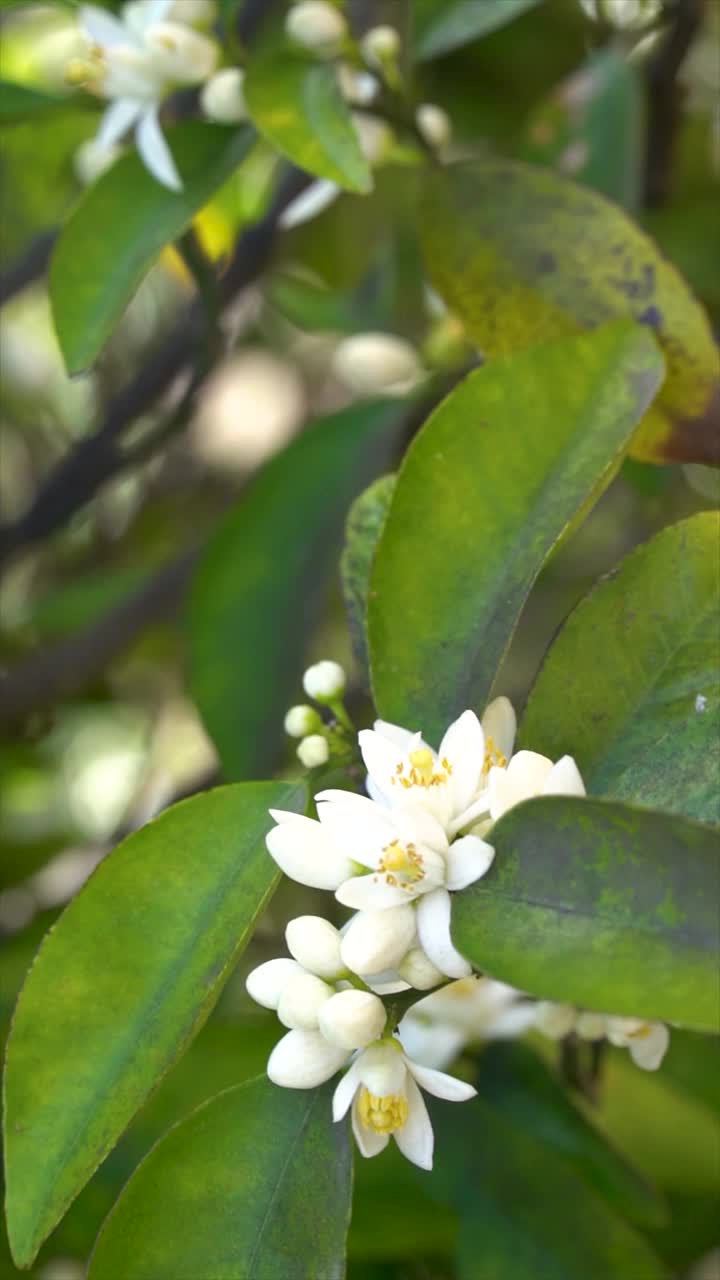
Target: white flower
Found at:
313, 751
434, 125
136, 63
301, 721
373, 363
380, 45
324, 681
437, 1028
306, 851
223, 97
315, 943
352, 1019
382, 1088
317, 25
304, 1059
555, 1020
529, 774
647, 1041
378, 940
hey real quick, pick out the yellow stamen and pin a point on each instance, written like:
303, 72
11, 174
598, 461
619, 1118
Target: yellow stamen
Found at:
403, 859
422, 760
641, 1033
493, 756
384, 1114
422, 772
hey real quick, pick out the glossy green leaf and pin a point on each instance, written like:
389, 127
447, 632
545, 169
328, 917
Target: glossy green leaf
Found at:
121, 985
515, 1082
254, 1185
119, 227
21, 102
442, 25
516, 280
362, 534
259, 587
295, 102
631, 685
600, 904
490, 483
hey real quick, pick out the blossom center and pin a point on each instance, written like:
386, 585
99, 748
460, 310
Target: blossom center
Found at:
382, 1114
493, 756
423, 771
401, 864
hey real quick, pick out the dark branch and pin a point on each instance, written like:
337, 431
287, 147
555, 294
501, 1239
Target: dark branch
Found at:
28, 268
665, 97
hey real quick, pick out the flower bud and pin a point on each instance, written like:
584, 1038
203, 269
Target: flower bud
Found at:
419, 970
555, 1020
370, 363
378, 940
591, 1026
304, 1059
313, 751
434, 125
301, 1001
315, 944
352, 1019
380, 45
301, 721
194, 13
223, 98
374, 135
324, 681
266, 983
357, 87
316, 25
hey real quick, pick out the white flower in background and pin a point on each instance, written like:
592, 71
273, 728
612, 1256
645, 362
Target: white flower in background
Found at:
381, 1086
373, 363
223, 97
316, 25
555, 1020
434, 125
437, 1029
529, 774
91, 161
646, 1041
375, 138
418, 971
313, 751
325, 681
135, 64
357, 87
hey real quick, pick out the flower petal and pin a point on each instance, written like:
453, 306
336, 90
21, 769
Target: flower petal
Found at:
303, 1060
524, 777
266, 983
378, 940
464, 748
370, 893
344, 1093
405, 739
500, 723
369, 1142
416, 1139
439, 1084
155, 152
306, 853
649, 1051
381, 760
434, 1043
564, 779
103, 28
433, 926
468, 859
308, 204
116, 120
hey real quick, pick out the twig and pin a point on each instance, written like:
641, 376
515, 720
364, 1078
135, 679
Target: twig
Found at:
29, 267
665, 97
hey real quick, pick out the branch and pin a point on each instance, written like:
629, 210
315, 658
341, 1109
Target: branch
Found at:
665, 98
29, 267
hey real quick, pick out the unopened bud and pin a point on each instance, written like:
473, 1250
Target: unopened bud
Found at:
434, 125
223, 99
419, 970
266, 983
315, 944
313, 751
380, 45
373, 363
303, 1060
357, 87
591, 1026
378, 940
179, 54
352, 1019
301, 721
194, 13
316, 25
301, 1001
374, 135
324, 681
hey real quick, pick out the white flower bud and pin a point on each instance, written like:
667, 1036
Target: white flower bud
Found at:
357, 87
223, 98
315, 944
179, 54
91, 161
303, 1060
419, 970
378, 940
555, 1020
352, 1019
316, 25
591, 1026
194, 13
313, 751
372, 363
374, 135
301, 1001
266, 983
434, 125
380, 45
301, 721
324, 681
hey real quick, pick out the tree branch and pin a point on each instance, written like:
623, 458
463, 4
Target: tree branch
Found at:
29, 267
665, 97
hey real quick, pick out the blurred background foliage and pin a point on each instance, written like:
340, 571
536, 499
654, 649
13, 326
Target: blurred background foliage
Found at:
101, 730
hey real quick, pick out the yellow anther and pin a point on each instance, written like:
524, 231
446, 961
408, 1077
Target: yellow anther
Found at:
81, 71
640, 1033
403, 859
384, 1114
493, 756
422, 761
395, 858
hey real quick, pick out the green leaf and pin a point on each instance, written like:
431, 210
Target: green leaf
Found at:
254, 1185
441, 26
516, 280
120, 987
259, 587
493, 479
600, 904
295, 102
119, 227
515, 1082
362, 534
20, 102
631, 685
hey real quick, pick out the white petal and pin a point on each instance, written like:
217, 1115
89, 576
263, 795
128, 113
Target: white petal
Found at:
315, 943
381, 760
555, 1020
564, 779
416, 1139
415, 824
301, 1001
370, 893
303, 1060
308, 204
440, 1084
511, 1022
369, 1142
433, 1043
352, 1019
381, 1068
344, 1093
591, 1026
359, 827
500, 723
433, 926
155, 152
266, 983
464, 748
378, 940
375, 793
116, 120
103, 28
648, 1051
405, 739
306, 853
468, 859
524, 777
156, 11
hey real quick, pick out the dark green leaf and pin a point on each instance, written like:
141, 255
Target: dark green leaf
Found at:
120, 226
254, 1185
442, 25
120, 987
578, 261
295, 102
631, 686
496, 475
600, 904
362, 533
20, 102
258, 589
